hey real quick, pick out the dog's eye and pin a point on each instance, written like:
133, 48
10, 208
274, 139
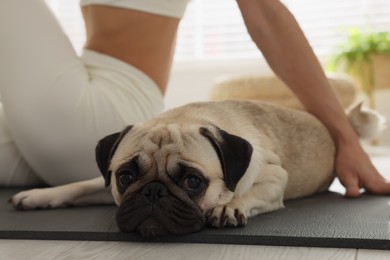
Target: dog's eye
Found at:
193, 182
126, 177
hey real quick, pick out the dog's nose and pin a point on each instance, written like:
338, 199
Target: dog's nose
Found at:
154, 191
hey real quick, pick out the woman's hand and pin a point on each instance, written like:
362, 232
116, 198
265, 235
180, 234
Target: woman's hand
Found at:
355, 171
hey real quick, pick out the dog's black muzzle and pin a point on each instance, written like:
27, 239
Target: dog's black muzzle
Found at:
155, 211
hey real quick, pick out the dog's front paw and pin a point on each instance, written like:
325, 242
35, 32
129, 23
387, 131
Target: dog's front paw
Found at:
225, 216
36, 199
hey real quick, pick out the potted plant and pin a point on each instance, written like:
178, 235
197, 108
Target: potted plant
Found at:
366, 57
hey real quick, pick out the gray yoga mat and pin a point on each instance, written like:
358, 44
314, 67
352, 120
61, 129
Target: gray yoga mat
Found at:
323, 220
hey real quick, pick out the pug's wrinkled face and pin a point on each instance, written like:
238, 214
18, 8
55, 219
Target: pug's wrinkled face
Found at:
165, 178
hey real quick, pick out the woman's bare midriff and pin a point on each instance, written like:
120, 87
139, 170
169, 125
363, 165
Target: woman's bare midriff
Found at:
143, 40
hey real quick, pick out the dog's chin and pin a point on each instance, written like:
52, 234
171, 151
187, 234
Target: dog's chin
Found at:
169, 216
151, 228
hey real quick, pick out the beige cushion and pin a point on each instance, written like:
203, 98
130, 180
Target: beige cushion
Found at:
272, 89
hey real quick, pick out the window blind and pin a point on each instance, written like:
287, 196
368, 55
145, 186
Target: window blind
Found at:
214, 29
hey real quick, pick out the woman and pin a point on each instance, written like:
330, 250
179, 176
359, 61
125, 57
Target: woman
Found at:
57, 105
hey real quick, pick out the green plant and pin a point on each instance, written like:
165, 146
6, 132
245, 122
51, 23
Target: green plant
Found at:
359, 47
355, 57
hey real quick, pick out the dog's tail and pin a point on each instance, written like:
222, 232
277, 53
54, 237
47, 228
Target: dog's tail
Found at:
367, 123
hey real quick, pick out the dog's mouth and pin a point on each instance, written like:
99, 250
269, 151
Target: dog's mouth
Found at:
157, 217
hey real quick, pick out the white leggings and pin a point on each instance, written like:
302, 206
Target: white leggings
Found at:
55, 106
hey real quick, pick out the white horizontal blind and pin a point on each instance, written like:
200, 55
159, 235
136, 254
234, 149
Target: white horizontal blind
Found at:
214, 29
326, 22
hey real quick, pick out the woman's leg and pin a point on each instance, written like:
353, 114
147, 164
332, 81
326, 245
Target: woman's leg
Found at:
14, 171
57, 106
35, 55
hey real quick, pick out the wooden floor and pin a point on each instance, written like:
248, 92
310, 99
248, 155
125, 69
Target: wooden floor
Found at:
43, 250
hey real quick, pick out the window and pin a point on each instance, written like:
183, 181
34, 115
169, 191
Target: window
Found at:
326, 23
215, 30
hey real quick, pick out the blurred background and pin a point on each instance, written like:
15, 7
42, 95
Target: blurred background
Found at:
213, 43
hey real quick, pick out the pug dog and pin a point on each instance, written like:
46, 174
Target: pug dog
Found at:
207, 163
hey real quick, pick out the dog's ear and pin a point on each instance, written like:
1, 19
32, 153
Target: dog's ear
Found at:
104, 151
234, 154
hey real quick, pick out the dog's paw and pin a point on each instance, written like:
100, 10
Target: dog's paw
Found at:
225, 216
37, 199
